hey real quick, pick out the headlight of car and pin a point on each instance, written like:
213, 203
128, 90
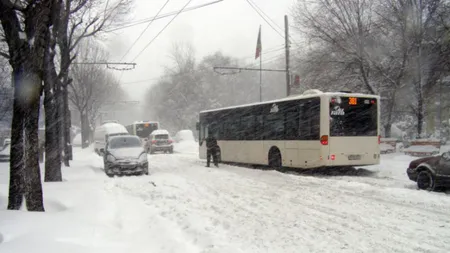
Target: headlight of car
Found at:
142, 158
110, 158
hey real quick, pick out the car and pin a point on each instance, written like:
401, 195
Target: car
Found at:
430, 173
124, 155
159, 140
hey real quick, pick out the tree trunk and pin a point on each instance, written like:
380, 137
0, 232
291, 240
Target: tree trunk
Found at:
33, 186
84, 130
420, 117
16, 164
52, 152
52, 140
67, 125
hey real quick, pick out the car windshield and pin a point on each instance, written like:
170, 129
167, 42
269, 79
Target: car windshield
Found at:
124, 142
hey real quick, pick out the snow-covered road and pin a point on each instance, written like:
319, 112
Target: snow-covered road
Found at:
185, 207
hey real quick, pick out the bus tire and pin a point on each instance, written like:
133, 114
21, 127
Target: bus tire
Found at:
275, 161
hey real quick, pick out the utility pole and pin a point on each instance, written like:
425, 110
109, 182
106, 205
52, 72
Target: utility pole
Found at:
286, 39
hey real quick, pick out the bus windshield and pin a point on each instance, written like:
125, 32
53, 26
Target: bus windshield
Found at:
351, 116
143, 130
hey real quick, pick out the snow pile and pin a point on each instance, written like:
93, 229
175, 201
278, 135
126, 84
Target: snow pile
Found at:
386, 147
422, 149
187, 147
77, 140
184, 135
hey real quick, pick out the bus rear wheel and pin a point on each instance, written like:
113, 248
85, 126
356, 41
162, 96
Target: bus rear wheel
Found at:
275, 161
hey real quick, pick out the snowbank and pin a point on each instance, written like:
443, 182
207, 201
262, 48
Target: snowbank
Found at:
184, 135
186, 147
77, 140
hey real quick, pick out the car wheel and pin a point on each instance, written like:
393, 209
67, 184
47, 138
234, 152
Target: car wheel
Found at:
107, 172
171, 150
425, 181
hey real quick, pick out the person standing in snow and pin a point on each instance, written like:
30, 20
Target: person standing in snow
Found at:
211, 150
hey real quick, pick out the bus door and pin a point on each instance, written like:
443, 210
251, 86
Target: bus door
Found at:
203, 134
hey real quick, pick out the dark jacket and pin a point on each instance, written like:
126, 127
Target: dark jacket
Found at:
211, 143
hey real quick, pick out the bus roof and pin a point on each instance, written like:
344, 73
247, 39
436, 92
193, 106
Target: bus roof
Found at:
306, 94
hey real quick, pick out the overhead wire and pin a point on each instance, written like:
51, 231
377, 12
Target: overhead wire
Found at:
154, 38
275, 23
256, 10
143, 21
143, 31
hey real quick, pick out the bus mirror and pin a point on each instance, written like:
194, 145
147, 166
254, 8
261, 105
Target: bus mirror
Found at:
197, 126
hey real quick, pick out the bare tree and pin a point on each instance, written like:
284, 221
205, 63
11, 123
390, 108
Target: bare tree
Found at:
26, 30
77, 20
6, 91
345, 27
91, 87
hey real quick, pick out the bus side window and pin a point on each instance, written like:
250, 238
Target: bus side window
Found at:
292, 126
248, 127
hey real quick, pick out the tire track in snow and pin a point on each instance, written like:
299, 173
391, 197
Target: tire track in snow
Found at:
269, 211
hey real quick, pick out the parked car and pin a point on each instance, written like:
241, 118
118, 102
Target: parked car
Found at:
124, 155
431, 173
159, 140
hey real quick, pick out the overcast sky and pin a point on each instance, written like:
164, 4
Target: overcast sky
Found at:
230, 26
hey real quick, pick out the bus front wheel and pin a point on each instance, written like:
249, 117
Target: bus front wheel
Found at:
275, 161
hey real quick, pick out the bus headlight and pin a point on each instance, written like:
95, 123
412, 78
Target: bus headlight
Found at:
142, 158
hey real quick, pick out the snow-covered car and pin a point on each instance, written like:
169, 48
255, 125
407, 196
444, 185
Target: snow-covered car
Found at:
159, 141
124, 155
431, 173
5, 152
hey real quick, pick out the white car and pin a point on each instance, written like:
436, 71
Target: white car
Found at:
159, 141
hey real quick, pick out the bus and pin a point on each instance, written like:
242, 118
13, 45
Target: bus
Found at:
142, 129
312, 130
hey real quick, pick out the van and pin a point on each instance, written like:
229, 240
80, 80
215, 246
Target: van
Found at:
103, 132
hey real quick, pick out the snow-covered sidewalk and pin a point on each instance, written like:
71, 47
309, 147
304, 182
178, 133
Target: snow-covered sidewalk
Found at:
184, 207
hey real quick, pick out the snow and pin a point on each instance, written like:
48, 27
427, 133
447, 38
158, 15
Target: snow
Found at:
160, 131
77, 140
184, 135
22, 36
386, 147
184, 207
421, 148
113, 128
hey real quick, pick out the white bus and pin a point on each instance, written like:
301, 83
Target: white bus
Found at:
315, 129
142, 129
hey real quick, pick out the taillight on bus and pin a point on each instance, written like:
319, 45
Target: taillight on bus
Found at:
333, 157
324, 140
379, 139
